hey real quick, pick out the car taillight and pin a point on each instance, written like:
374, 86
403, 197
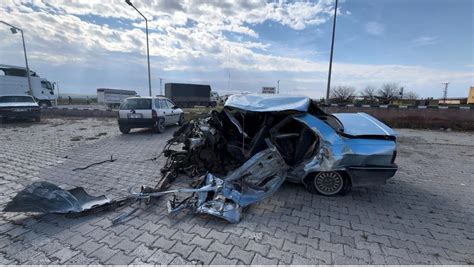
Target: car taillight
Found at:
154, 115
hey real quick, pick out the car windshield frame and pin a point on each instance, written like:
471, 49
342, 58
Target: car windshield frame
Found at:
136, 103
16, 99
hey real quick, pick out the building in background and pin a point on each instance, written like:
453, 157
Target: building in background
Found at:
470, 96
268, 90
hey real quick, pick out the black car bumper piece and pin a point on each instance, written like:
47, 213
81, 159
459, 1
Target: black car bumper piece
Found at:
364, 176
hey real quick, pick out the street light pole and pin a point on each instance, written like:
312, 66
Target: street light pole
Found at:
332, 50
14, 29
147, 44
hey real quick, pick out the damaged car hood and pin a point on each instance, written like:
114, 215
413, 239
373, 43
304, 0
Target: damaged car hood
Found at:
268, 103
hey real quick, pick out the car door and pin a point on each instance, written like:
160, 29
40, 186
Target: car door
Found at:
166, 112
174, 112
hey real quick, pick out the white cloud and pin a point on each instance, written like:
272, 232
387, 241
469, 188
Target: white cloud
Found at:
188, 41
425, 40
374, 28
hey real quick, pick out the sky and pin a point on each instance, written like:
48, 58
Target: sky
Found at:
238, 46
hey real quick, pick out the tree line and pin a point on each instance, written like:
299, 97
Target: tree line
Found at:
370, 94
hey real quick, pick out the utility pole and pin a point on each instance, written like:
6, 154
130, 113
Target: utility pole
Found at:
445, 92
147, 43
161, 86
278, 87
14, 30
332, 51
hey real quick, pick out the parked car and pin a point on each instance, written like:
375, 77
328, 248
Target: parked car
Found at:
148, 112
20, 107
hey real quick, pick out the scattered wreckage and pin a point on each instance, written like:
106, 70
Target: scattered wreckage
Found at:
243, 154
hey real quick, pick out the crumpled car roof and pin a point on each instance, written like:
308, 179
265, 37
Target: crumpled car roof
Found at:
268, 103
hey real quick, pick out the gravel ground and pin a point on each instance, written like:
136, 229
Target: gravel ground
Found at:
423, 215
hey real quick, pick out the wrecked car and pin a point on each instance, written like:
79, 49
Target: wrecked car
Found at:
244, 153
328, 153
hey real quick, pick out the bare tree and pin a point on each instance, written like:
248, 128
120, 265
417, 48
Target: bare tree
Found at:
388, 92
369, 94
343, 94
410, 95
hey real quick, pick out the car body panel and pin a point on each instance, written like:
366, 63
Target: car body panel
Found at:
270, 103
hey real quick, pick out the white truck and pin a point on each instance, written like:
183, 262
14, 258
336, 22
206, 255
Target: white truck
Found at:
14, 81
112, 98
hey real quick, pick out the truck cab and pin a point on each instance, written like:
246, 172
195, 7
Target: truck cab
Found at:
14, 80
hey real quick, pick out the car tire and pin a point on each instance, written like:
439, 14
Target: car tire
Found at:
328, 183
181, 120
124, 130
160, 126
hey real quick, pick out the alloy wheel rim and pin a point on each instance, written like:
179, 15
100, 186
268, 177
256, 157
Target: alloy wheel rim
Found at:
328, 183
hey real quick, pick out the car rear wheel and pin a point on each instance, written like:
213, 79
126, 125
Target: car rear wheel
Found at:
181, 120
124, 130
160, 126
329, 183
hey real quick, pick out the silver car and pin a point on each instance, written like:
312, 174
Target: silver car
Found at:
148, 112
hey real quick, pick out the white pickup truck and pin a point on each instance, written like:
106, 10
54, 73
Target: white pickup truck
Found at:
14, 81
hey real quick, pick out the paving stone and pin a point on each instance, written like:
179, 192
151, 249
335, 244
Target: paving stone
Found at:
220, 260
126, 245
217, 235
103, 254
161, 257
120, 258
111, 240
272, 241
182, 249
261, 260
257, 247
22, 256
89, 246
166, 232
202, 256
282, 256
143, 252
146, 238
201, 242
237, 241
163, 243
324, 257
220, 248
63, 255
241, 255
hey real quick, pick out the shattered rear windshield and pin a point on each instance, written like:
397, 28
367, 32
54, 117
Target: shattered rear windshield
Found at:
17, 99
136, 103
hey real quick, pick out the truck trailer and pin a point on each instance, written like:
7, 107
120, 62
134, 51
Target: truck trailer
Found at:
113, 97
14, 81
189, 95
